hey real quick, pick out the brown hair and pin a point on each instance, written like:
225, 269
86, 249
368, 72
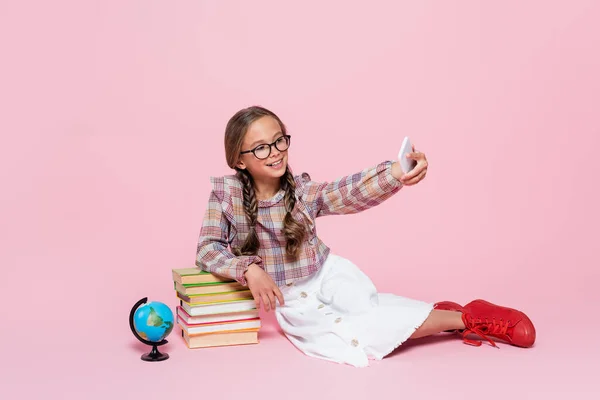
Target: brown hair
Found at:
294, 231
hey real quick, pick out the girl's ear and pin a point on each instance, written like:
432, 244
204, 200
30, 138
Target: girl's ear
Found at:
241, 165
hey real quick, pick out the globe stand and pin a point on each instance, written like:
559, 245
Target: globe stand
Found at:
154, 354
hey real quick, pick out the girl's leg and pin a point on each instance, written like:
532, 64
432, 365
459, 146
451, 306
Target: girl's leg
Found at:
439, 321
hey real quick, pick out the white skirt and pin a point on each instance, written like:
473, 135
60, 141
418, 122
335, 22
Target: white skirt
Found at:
337, 315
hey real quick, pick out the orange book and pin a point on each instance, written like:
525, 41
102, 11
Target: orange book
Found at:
233, 338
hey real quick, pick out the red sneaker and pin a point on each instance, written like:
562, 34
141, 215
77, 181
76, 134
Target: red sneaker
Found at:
489, 320
448, 306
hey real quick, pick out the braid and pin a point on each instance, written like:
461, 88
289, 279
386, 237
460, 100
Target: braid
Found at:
252, 243
294, 231
289, 186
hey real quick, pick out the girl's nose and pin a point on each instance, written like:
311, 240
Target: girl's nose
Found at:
274, 152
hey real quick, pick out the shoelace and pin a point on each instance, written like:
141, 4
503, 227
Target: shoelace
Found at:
483, 328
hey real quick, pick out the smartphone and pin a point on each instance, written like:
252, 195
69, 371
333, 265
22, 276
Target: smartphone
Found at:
406, 163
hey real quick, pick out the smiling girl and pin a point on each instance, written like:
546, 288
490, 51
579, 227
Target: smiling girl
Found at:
259, 229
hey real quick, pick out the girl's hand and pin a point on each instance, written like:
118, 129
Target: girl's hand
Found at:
418, 172
263, 288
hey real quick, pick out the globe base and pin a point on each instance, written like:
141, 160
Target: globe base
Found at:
154, 355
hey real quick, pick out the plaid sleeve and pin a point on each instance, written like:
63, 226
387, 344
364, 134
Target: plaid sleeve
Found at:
353, 193
213, 254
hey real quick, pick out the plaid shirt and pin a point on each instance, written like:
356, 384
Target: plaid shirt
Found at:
226, 226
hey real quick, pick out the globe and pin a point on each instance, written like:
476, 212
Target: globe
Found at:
151, 323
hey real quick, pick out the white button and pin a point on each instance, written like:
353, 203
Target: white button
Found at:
338, 320
303, 295
354, 342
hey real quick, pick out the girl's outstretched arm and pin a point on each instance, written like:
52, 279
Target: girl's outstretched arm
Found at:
363, 190
353, 193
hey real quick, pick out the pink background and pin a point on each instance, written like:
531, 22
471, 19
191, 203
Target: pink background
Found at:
112, 117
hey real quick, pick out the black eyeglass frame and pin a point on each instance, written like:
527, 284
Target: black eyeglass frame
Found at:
253, 151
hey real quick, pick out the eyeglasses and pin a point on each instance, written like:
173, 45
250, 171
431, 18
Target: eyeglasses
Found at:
263, 151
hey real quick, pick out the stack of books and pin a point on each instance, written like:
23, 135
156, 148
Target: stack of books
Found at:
214, 310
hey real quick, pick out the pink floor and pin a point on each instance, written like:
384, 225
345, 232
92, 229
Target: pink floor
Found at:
107, 364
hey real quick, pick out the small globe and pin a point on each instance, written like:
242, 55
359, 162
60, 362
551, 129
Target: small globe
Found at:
153, 321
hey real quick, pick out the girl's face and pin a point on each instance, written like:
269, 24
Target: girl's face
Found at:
263, 132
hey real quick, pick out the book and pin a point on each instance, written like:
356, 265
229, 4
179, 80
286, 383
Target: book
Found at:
196, 275
215, 297
229, 306
221, 339
205, 319
208, 288
216, 327
214, 310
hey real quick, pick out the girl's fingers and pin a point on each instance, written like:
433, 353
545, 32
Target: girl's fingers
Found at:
256, 297
279, 296
421, 176
271, 299
266, 302
412, 173
416, 178
415, 155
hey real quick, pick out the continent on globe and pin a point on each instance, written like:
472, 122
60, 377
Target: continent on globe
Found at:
155, 320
